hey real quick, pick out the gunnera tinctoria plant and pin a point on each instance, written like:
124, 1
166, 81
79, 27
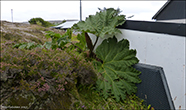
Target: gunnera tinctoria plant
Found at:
42, 78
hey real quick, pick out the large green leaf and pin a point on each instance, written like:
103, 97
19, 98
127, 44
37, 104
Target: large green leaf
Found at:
101, 24
82, 42
118, 77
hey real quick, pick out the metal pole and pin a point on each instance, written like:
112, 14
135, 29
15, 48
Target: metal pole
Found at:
12, 14
80, 12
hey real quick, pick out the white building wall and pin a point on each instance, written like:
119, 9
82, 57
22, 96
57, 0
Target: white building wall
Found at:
167, 51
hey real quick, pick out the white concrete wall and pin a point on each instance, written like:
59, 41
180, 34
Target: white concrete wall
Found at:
167, 51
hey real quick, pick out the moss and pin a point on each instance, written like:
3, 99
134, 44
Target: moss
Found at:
61, 102
20, 100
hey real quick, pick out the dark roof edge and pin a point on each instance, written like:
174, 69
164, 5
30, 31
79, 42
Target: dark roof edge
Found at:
167, 90
156, 27
161, 9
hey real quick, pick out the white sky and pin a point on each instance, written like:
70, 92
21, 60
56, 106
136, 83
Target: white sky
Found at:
60, 10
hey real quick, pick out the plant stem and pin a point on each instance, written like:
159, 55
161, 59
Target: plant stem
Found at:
95, 43
89, 42
77, 47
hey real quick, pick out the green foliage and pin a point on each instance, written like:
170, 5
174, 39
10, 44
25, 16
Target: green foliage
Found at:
34, 20
48, 78
103, 23
118, 77
40, 21
63, 21
59, 23
25, 45
58, 40
82, 42
90, 99
43, 75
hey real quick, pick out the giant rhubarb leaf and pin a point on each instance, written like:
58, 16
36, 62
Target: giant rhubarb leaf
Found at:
101, 24
118, 77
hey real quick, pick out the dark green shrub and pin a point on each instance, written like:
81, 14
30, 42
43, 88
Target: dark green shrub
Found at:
34, 20
43, 78
40, 21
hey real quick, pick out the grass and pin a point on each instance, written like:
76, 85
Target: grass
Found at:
90, 99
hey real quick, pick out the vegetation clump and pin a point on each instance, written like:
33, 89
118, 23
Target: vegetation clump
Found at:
42, 74
114, 60
40, 21
68, 72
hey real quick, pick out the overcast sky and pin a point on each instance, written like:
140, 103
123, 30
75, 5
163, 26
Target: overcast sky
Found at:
60, 10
